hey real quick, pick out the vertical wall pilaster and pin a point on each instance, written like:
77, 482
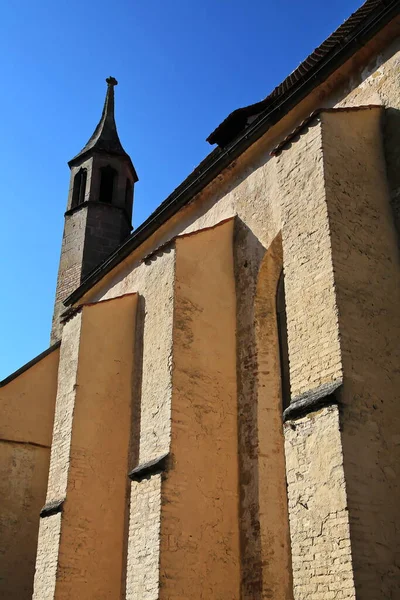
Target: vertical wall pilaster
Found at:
82, 530
199, 514
319, 524
184, 522
152, 425
343, 286
367, 281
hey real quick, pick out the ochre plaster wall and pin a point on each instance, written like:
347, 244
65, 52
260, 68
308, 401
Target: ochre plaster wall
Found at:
28, 402
153, 281
199, 511
26, 421
90, 456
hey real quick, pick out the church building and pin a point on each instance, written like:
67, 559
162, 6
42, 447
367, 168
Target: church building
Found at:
218, 414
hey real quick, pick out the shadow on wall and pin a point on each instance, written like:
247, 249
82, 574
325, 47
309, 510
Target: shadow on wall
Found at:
264, 528
134, 445
392, 154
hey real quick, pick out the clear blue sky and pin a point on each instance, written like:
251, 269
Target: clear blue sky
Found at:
182, 66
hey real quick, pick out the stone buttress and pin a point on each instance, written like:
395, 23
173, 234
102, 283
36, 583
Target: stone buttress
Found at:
342, 297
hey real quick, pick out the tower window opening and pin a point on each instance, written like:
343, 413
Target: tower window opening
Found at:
283, 342
79, 191
128, 196
107, 180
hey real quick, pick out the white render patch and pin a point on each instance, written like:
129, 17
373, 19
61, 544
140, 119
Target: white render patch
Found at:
142, 580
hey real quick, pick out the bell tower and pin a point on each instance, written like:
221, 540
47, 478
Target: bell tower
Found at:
99, 208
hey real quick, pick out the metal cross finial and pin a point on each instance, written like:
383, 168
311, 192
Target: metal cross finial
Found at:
111, 81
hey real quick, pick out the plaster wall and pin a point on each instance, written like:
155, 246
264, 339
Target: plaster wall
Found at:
90, 455
27, 411
47, 558
23, 472
153, 280
28, 403
248, 256
199, 498
377, 83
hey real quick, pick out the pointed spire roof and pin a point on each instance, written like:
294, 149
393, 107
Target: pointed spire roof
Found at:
105, 136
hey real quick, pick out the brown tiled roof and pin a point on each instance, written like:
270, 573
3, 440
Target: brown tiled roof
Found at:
239, 119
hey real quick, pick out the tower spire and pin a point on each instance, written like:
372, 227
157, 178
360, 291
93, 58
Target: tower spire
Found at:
105, 137
99, 208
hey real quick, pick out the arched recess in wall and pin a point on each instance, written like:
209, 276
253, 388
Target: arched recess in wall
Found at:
273, 508
79, 189
108, 177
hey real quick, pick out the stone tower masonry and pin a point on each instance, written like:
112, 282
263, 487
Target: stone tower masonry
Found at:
99, 209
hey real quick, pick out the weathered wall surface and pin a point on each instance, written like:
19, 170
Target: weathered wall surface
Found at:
273, 563
248, 254
23, 472
313, 334
90, 454
319, 521
143, 565
69, 272
367, 280
26, 422
319, 529
153, 280
93, 231
378, 83
341, 263
107, 226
